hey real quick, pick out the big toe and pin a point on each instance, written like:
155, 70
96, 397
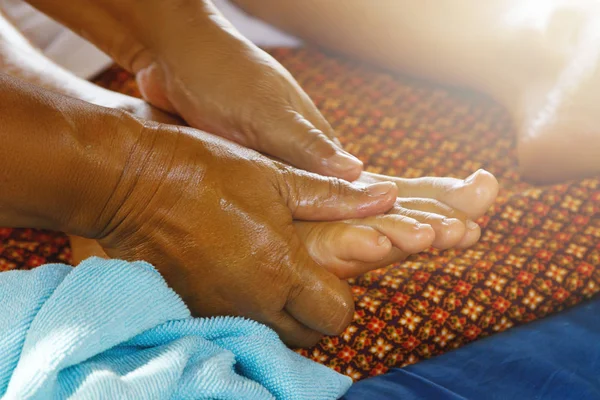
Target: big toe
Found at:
474, 195
343, 248
351, 248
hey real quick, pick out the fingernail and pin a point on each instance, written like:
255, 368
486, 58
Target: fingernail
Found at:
472, 225
472, 177
343, 161
380, 189
382, 241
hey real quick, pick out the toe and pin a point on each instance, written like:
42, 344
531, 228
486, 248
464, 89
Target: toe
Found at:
404, 232
475, 195
471, 236
472, 196
447, 224
449, 232
348, 242
342, 247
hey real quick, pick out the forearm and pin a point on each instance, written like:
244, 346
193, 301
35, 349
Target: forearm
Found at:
18, 58
54, 172
136, 32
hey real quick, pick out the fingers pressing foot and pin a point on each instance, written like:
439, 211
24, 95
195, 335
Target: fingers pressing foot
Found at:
436, 212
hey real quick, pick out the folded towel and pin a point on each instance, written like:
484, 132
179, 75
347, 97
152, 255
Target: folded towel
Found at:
112, 329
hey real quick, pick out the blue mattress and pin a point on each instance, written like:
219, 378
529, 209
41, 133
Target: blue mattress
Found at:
554, 358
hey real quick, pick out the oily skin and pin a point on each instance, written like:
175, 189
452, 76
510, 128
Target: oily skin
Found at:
138, 204
190, 203
221, 245
352, 247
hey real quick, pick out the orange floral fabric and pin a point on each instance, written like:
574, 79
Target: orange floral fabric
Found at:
540, 247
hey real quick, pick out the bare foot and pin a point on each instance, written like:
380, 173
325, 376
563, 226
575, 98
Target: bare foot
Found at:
437, 212
471, 197
444, 219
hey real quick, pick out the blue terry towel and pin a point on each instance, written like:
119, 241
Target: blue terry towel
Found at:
110, 329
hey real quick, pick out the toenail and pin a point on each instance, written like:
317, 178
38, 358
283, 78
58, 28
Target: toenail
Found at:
472, 225
472, 177
383, 241
380, 189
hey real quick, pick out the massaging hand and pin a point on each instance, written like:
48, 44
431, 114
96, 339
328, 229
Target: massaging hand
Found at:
216, 219
190, 61
219, 82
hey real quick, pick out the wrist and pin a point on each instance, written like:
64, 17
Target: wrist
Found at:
102, 159
156, 29
172, 31
59, 160
114, 172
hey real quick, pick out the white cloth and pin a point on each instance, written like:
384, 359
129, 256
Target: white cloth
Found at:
85, 60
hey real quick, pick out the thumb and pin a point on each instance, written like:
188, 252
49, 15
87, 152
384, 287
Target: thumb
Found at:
316, 298
296, 140
313, 197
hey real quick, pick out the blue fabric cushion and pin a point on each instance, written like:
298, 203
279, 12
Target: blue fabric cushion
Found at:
554, 358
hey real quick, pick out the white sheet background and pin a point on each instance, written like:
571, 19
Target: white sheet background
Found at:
85, 60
